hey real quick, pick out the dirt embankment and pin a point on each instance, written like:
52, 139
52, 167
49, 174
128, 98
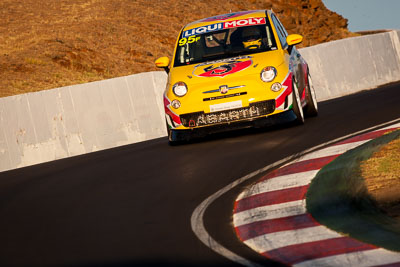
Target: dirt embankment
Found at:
53, 43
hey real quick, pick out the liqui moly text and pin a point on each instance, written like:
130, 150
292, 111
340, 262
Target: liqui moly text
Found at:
223, 25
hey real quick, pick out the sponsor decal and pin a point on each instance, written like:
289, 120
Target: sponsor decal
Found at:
203, 29
222, 68
189, 40
223, 25
226, 106
227, 116
226, 16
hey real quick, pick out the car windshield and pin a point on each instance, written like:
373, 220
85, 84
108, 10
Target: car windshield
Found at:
221, 40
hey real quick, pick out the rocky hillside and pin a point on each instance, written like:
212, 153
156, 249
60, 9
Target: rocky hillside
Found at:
53, 43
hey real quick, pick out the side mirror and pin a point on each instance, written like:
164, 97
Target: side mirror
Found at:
294, 39
163, 62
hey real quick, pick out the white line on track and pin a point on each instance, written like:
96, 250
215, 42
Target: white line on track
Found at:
392, 126
197, 218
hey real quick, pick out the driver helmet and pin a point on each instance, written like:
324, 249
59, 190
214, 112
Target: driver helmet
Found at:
251, 38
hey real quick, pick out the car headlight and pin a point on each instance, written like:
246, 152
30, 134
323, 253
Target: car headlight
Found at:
276, 87
176, 104
268, 74
179, 89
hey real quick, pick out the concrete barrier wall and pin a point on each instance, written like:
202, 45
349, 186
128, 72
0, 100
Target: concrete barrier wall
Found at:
73, 120
350, 65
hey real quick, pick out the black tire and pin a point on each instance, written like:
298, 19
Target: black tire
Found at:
312, 104
297, 108
177, 137
171, 139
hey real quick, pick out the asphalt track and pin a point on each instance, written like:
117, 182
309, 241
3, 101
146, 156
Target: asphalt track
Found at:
132, 205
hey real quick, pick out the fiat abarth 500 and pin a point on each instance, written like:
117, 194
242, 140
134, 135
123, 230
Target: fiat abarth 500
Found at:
232, 70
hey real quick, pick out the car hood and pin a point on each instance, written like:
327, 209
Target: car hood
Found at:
225, 70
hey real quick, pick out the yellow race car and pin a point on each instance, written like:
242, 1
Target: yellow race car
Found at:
233, 71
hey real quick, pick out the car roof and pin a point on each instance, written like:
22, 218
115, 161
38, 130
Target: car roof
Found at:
225, 18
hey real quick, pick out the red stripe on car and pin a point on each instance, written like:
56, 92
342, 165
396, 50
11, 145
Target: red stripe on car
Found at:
288, 84
169, 112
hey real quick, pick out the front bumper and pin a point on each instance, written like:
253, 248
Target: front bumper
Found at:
186, 135
257, 109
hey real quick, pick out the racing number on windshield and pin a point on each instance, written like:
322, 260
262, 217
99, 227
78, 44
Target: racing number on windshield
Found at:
189, 40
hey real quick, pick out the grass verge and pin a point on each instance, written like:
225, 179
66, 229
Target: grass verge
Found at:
338, 198
382, 177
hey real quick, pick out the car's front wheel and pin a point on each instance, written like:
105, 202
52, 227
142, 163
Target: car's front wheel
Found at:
176, 137
297, 108
312, 105
172, 140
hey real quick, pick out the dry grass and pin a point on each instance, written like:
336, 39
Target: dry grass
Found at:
53, 43
382, 170
382, 177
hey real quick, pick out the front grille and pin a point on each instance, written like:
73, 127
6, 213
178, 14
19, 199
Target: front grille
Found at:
224, 96
254, 110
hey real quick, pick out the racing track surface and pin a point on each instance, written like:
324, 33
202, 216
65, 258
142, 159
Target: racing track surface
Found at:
132, 205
